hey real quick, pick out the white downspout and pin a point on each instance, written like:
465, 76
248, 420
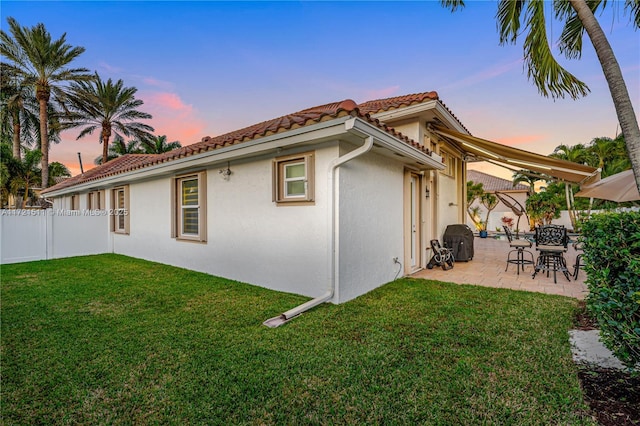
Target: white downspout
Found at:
333, 255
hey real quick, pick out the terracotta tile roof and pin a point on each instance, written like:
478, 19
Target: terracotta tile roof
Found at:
299, 119
118, 165
492, 183
379, 105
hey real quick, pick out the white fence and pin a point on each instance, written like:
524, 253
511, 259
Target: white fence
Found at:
495, 218
27, 235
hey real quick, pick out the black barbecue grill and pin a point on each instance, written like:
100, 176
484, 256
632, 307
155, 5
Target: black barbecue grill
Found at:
459, 238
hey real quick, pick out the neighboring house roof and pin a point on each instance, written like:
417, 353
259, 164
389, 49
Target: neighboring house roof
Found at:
298, 119
492, 183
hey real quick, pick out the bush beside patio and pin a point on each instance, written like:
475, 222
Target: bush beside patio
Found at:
111, 339
612, 263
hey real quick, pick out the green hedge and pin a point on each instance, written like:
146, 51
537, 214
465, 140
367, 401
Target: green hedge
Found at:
612, 264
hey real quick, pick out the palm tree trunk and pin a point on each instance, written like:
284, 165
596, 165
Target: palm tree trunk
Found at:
44, 140
26, 195
617, 86
16, 135
572, 216
105, 145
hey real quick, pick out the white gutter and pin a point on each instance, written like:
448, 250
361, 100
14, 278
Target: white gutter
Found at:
285, 317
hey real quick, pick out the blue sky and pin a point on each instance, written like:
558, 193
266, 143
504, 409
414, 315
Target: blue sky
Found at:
206, 68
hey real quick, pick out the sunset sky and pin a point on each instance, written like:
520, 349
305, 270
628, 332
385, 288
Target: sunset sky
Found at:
207, 68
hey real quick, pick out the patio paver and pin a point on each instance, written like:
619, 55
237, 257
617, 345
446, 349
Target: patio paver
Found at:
487, 269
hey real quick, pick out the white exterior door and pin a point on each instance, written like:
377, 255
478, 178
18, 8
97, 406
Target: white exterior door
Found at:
413, 215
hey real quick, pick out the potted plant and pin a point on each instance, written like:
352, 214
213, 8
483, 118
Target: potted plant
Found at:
489, 201
481, 226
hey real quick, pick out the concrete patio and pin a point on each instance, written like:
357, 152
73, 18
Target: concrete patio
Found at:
488, 269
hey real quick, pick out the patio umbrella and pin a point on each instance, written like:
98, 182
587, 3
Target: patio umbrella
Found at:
619, 187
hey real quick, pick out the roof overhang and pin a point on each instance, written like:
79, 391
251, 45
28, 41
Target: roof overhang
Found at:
348, 128
518, 159
432, 111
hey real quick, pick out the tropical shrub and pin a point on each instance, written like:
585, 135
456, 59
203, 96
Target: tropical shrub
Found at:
612, 263
543, 207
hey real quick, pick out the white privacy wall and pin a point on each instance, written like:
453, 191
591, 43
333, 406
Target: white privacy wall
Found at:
27, 235
250, 238
370, 224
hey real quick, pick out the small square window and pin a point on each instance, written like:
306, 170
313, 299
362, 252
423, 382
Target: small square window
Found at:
293, 179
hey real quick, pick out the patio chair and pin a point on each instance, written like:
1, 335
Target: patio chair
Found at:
519, 247
551, 242
578, 246
441, 256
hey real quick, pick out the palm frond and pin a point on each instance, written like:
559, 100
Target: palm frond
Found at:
551, 79
452, 5
508, 20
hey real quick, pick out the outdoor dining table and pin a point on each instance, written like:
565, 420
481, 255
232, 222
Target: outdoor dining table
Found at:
551, 243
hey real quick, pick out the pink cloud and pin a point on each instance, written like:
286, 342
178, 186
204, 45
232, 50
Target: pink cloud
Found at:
154, 82
167, 100
173, 117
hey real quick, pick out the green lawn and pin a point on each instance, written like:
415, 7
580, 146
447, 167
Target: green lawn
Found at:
114, 340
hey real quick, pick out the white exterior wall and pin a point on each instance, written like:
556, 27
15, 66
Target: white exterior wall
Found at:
411, 129
249, 237
447, 194
370, 224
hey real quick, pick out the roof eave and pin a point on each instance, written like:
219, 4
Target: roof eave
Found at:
412, 110
321, 130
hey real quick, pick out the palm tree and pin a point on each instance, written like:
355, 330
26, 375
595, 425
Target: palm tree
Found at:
528, 177
8, 168
158, 145
27, 175
109, 107
57, 170
42, 63
119, 148
548, 75
576, 154
17, 106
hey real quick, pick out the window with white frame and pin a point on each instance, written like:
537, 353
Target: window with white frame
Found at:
190, 207
120, 203
75, 202
293, 179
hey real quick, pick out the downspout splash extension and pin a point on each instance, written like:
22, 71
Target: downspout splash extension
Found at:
333, 166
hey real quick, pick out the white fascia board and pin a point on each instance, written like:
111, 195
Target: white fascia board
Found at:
442, 110
405, 111
382, 138
417, 109
272, 142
